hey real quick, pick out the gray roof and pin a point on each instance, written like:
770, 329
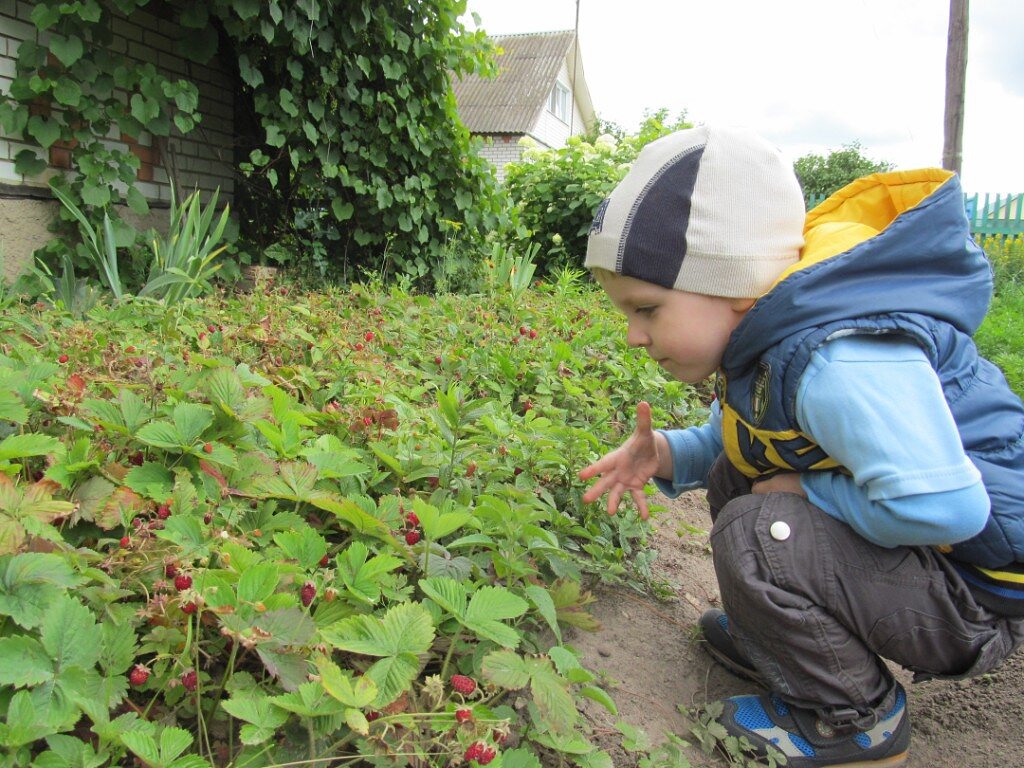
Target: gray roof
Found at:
527, 71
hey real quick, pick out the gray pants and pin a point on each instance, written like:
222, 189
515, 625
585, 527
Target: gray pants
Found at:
814, 611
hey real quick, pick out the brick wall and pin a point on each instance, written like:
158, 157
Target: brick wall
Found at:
501, 149
203, 159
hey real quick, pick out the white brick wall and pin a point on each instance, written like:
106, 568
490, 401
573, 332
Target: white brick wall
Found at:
203, 159
501, 150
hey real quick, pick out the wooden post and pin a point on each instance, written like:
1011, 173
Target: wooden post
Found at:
956, 72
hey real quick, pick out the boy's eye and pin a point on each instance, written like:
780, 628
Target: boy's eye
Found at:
644, 310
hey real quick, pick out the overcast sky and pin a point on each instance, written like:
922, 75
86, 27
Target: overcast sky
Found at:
811, 75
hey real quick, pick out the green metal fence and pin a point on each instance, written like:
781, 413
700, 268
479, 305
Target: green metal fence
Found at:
988, 214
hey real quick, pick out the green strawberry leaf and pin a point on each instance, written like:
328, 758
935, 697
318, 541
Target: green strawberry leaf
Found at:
151, 480
30, 583
507, 669
545, 606
447, 593
305, 546
258, 583
68, 633
352, 693
487, 606
24, 662
405, 628
29, 444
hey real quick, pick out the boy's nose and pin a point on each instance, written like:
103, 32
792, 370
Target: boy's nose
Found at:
637, 337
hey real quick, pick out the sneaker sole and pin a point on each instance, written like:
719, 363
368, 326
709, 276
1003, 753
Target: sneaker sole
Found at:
893, 761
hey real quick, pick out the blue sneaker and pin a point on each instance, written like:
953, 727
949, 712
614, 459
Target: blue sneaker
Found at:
807, 739
720, 646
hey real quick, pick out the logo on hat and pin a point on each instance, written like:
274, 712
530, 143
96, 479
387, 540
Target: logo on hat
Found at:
598, 224
759, 393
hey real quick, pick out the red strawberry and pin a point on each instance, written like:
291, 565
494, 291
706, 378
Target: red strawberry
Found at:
463, 715
462, 684
125, 542
190, 680
437, 359
202, 336
370, 336
324, 561
358, 346
208, 447
211, 328
412, 537
500, 737
307, 593
523, 330
138, 676
62, 359
189, 608
487, 754
207, 518
532, 334
471, 469
412, 519
182, 582
163, 511
474, 751
170, 570
367, 421
372, 715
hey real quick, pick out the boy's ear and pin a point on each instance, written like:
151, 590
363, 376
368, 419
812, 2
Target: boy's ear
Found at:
741, 305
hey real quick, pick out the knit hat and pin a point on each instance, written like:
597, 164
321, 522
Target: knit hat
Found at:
709, 210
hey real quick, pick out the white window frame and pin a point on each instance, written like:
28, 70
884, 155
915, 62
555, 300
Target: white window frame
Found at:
558, 102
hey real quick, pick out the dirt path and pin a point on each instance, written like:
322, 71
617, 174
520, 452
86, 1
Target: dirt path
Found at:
648, 653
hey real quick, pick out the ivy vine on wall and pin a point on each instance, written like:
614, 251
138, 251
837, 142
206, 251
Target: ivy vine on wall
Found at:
349, 102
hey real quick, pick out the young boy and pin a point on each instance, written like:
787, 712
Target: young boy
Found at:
864, 466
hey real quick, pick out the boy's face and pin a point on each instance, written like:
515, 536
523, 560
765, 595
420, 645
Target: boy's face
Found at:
685, 333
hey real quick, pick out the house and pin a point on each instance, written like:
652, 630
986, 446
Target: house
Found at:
539, 92
203, 159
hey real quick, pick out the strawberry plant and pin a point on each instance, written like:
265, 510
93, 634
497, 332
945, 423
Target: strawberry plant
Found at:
264, 544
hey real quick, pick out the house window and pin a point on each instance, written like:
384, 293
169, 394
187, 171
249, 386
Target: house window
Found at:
558, 102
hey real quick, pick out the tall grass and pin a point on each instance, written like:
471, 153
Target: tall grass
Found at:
1001, 336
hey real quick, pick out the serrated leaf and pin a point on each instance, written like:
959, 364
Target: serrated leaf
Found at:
160, 434
191, 420
151, 479
393, 675
28, 444
24, 724
545, 606
519, 758
309, 700
486, 607
507, 669
305, 546
405, 628
143, 745
30, 583
341, 685
446, 592
226, 390
24, 662
117, 648
11, 408
258, 583
173, 741
357, 721
121, 506
68, 633
92, 496
552, 697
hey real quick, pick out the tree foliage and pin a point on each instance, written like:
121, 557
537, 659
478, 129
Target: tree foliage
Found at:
822, 175
556, 192
354, 142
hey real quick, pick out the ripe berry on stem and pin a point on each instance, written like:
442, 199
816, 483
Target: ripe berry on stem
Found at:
463, 715
307, 593
182, 582
138, 676
463, 684
190, 680
412, 537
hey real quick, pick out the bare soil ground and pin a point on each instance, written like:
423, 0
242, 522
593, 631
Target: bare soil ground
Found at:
650, 659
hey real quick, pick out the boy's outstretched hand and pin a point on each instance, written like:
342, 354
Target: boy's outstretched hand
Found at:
629, 467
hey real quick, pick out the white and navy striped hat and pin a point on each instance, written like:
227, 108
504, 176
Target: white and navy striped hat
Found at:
709, 210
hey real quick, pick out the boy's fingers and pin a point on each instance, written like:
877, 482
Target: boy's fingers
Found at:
643, 416
641, 504
614, 496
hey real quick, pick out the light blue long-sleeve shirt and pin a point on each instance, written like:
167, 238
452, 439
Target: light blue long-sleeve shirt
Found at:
874, 404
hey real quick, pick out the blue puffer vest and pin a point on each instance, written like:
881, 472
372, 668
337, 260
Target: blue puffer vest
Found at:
913, 269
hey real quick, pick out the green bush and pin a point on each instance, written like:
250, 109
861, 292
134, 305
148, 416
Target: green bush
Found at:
821, 175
